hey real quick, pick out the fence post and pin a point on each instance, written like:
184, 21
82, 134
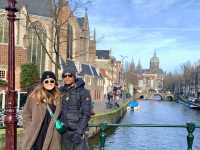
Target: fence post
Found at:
190, 128
102, 135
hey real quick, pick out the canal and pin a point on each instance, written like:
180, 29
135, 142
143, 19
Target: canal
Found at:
153, 112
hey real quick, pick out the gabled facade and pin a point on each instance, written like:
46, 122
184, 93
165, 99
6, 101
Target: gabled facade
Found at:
111, 69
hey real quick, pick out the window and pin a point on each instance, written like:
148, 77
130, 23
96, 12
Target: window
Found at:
3, 29
3, 74
69, 41
37, 38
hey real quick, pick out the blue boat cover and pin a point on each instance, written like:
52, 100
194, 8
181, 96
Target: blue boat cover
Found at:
133, 103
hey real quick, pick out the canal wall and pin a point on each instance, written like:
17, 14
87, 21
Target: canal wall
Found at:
112, 116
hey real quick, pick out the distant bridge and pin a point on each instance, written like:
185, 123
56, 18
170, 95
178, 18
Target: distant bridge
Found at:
152, 95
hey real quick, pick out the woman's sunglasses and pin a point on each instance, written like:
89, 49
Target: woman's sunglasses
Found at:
47, 81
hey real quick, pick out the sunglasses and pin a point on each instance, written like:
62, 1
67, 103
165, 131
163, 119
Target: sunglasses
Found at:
68, 75
47, 81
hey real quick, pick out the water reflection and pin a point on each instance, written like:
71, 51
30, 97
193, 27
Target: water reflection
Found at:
157, 97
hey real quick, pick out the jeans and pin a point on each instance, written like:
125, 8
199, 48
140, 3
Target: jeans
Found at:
66, 144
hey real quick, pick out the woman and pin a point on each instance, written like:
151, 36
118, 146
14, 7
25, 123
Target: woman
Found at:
39, 130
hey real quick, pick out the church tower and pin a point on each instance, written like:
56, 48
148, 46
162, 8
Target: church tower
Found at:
92, 49
86, 34
154, 63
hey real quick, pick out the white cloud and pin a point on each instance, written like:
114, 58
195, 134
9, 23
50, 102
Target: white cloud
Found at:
147, 25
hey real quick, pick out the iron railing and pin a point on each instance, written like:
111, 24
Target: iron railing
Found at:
103, 126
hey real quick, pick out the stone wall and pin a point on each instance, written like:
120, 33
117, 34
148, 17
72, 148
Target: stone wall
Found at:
109, 117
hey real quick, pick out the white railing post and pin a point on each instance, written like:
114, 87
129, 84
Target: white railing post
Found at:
3, 99
18, 100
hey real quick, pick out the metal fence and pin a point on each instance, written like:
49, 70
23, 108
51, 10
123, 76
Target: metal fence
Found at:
21, 97
189, 126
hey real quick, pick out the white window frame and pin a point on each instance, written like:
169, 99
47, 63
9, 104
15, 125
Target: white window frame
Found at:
1, 74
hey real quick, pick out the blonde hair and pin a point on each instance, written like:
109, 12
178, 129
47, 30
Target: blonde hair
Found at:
41, 95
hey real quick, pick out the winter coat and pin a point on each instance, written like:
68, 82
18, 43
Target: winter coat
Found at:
76, 108
33, 116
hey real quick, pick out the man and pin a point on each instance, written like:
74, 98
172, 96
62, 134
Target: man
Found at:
76, 110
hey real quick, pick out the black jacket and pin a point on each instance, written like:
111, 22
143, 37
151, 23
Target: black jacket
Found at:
76, 107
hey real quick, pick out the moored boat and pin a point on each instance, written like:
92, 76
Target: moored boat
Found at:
191, 104
133, 105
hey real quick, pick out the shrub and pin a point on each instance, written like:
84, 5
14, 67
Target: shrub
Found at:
29, 75
2, 82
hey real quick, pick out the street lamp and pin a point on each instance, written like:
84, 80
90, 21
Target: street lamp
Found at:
10, 108
123, 57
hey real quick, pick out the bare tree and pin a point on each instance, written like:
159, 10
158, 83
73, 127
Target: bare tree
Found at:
59, 29
131, 73
185, 82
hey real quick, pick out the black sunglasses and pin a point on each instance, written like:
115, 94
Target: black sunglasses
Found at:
68, 75
47, 81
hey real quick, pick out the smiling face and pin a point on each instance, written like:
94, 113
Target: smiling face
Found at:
69, 78
49, 84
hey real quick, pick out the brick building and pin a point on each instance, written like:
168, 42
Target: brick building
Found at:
35, 17
110, 68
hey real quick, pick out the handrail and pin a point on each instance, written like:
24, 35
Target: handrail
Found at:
190, 126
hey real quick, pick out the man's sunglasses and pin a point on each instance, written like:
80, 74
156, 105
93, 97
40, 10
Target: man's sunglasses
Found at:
68, 75
47, 81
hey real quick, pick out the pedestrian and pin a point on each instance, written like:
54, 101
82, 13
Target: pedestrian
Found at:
39, 130
115, 97
110, 99
76, 110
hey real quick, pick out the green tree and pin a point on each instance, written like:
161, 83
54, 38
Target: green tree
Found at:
2, 82
29, 75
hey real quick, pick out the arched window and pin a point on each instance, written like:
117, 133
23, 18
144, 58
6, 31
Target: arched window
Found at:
69, 41
3, 29
37, 38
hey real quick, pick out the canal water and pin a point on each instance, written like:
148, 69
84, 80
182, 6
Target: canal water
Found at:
153, 112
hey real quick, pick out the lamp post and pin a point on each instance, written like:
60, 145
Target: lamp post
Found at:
123, 57
112, 65
10, 108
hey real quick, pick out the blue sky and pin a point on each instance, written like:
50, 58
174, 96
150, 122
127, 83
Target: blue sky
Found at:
137, 28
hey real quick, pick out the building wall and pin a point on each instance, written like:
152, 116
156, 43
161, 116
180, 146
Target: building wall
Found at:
96, 87
20, 58
92, 52
150, 81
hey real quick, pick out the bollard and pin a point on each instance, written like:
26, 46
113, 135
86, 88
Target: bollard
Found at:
102, 135
190, 128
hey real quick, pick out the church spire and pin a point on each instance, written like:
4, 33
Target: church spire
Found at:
132, 65
139, 67
154, 63
154, 53
85, 24
94, 34
86, 14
